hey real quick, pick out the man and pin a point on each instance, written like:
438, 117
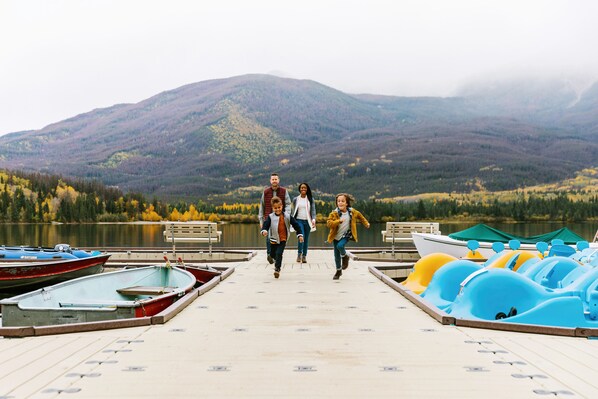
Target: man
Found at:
275, 190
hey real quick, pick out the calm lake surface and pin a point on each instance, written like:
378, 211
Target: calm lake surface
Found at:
233, 235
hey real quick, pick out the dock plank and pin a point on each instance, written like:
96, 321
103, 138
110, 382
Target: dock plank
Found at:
305, 335
576, 369
33, 370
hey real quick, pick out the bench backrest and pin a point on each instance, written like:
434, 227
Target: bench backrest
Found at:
404, 229
192, 232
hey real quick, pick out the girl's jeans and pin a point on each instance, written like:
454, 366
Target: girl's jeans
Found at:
339, 251
302, 246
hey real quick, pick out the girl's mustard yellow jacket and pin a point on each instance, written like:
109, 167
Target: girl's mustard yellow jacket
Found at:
334, 220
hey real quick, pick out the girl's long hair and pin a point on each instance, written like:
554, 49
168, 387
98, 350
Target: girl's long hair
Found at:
348, 197
308, 194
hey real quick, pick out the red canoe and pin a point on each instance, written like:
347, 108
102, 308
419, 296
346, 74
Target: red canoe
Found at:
19, 275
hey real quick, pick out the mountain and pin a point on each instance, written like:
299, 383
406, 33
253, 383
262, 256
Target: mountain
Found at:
220, 139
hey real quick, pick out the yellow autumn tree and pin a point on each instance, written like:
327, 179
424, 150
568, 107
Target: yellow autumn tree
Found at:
175, 215
213, 218
50, 214
150, 215
190, 214
63, 191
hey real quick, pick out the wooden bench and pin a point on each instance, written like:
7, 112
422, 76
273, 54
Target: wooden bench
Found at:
197, 232
397, 232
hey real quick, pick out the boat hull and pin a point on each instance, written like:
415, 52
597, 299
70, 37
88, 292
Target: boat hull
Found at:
27, 275
103, 297
202, 274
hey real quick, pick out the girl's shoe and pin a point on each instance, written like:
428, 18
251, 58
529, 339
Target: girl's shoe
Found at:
337, 275
298, 258
303, 259
345, 261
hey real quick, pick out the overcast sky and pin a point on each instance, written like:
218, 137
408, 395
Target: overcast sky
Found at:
62, 58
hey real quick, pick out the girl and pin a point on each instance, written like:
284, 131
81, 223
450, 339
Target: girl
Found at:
342, 223
304, 211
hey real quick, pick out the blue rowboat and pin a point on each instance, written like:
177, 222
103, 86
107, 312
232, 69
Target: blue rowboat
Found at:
26, 253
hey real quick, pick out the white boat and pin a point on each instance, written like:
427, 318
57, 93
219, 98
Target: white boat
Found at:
435, 243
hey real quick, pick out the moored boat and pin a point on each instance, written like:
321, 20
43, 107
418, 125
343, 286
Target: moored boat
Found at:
20, 275
456, 244
26, 253
202, 273
122, 294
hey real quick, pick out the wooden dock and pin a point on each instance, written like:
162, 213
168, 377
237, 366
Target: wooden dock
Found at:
300, 336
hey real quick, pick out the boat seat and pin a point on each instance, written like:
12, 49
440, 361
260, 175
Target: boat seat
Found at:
100, 303
585, 256
145, 290
561, 250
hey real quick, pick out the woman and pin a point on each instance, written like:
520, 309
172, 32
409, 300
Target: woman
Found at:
304, 210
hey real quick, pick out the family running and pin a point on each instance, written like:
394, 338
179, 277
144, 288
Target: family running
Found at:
279, 216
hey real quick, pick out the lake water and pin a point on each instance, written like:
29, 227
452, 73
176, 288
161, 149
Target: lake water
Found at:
233, 235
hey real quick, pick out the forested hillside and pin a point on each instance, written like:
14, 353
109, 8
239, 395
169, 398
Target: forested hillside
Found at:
38, 198
220, 139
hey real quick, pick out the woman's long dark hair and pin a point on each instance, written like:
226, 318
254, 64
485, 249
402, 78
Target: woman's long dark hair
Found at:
308, 194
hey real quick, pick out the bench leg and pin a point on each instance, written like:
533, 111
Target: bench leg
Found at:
173, 241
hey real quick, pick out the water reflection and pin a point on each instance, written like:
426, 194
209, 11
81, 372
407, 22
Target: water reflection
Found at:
233, 235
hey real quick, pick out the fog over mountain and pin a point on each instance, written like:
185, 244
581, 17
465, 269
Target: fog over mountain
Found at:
67, 57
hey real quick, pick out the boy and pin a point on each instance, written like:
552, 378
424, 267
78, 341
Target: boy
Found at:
277, 227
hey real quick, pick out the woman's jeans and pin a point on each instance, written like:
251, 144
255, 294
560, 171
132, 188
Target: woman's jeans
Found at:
339, 251
302, 246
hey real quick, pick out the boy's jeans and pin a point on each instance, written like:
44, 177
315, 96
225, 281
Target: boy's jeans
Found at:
339, 251
276, 251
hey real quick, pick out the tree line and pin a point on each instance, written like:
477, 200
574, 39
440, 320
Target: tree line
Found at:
39, 198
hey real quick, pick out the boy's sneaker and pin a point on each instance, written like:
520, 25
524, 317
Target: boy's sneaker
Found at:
276, 273
345, 261
303, 259
298, 258
270, 259
337, 275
